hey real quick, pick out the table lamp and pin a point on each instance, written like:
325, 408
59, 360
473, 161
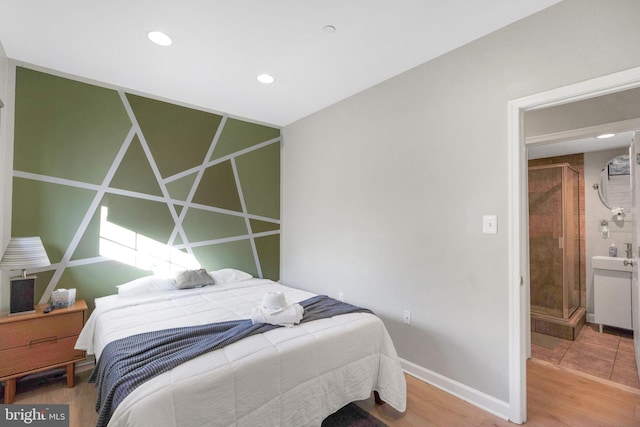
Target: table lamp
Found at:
23, 253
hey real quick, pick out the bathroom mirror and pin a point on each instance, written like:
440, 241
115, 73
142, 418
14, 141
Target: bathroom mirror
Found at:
614, 188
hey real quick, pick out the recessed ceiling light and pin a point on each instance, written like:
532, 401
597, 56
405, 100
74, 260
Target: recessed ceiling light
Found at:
159, 38
328, 29
266, 79
606, 135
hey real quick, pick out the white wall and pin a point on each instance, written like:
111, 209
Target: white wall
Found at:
595, 211
384, 193
6, 166
603, 109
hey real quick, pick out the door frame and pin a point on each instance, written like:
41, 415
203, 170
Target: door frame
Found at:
634, 152
519, 309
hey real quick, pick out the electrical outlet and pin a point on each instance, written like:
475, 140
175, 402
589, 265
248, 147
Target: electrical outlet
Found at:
407, 317
341, 296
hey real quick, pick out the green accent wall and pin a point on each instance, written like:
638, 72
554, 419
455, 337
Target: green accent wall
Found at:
218, 188
178, 137
52, 211
195, 181
65, 128
180, 188
134, 172
238, 253
238, 135
259, 173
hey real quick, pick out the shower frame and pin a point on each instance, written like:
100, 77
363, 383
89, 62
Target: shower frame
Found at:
544, 212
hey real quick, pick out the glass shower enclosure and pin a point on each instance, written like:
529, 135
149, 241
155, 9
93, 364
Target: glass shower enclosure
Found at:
554, 240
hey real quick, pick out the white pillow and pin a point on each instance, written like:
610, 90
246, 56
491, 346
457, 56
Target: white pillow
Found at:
146, 285
229, 275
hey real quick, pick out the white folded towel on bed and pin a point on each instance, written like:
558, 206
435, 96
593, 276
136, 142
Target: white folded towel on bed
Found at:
274, 300
275, 310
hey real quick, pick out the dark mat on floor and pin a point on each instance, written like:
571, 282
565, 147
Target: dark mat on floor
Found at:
352, 416
33, 381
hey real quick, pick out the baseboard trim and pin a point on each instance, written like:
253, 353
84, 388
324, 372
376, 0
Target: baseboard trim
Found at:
477, 398
87, 364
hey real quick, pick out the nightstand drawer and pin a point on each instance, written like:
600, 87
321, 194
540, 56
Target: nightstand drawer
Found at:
24, 333
37, 355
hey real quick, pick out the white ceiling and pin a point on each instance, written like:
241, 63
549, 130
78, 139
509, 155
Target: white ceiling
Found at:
221, 46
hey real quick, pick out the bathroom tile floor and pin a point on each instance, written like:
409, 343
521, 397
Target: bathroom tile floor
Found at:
608, 355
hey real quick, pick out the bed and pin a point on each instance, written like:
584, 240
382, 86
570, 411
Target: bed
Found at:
287, 376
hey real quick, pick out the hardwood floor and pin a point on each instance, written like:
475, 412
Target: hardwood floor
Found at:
609, 355
555, 398
81, 398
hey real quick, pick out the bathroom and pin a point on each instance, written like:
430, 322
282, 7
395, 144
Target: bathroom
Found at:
564, 328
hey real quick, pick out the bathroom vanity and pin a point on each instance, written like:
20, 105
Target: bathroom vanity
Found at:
612, 291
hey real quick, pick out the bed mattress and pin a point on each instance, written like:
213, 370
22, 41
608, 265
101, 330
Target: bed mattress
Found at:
289, 376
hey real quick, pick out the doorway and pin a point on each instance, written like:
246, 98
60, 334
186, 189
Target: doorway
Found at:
519, 301
560, 339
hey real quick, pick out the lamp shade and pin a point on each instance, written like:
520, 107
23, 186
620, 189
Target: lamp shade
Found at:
23, 253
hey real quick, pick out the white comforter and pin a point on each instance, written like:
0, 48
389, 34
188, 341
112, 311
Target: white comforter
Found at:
285, 377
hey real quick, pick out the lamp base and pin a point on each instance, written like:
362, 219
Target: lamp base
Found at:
22, 295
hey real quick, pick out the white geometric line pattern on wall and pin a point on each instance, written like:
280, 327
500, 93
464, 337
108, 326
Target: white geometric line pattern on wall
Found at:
87, 218
137, 195
100, 259
229, 239
137, 250
104, 188
244, 212
221, 159
156, 171
196, 182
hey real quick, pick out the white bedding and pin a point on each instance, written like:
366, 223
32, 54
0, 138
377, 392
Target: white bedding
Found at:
285, 377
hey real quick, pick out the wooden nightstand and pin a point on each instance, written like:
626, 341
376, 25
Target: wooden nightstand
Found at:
31, 343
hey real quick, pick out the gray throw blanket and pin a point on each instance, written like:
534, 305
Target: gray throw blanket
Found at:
128, 362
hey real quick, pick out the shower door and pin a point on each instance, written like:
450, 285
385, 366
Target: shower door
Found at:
554, 240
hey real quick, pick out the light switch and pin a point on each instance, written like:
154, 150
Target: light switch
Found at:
490, 224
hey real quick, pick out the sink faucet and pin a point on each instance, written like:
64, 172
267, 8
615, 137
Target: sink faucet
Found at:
629, 250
